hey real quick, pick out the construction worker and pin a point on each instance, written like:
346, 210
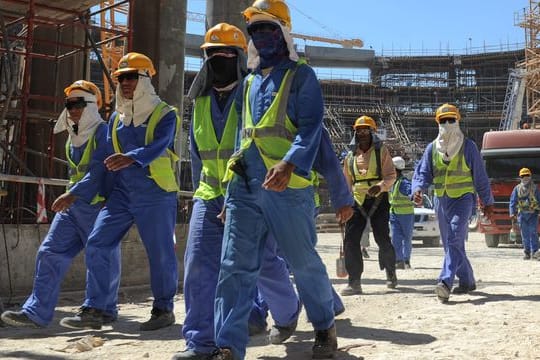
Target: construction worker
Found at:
140, 140
524, 208
69, 229
270, 191
452, 163
370, 174
401, 216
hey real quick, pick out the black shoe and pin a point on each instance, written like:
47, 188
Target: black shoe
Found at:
354, 288
443, 292
109, 319
222, 354
400, 265
365, 254
325, 343
462, 289
527, 256
278, 334
407, 264
18, 319
159, 319
391, 279
191, 354
86, 318
256, 329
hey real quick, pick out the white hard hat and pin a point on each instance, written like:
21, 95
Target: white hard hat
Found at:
399, 162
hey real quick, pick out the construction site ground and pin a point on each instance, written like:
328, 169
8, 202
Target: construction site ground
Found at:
498, 321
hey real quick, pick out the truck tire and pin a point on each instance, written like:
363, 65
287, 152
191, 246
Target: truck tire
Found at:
492, 240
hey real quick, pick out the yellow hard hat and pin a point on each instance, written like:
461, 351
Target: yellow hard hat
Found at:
525, 172
224, 35
87, 86
447, 111
277, 9
365, 121
132, 62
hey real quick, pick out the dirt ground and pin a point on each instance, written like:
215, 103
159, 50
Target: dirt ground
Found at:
501, 320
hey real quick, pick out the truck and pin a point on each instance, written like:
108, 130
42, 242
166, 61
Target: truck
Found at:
504, 154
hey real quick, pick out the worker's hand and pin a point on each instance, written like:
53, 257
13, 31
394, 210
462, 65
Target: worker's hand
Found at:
488, 212
513, 218
418, 198
374, 190
278, 176
63, 202
118, 161
344, 214
221, 216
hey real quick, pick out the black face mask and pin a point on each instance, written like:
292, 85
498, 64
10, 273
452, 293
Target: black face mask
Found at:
224, 70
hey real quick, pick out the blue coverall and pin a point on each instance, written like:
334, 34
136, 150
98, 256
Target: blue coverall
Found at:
252, 212
67, 236
401, 225
528, 222
135, 198
454, 213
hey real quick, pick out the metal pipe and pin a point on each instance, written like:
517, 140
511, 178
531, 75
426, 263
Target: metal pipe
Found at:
33, 180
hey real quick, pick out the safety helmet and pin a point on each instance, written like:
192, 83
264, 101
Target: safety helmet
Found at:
447, 110
132, 62
525, 172
224, 35
276, 9
399, 162
86, 86
364, 121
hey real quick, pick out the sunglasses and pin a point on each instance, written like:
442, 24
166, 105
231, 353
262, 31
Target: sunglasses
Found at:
128, 76
448, 120
262, 27
80, 103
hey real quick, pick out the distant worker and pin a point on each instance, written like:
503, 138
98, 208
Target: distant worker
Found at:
69, 230
140, 155
524, 207
401, 216
370, 173
453, 165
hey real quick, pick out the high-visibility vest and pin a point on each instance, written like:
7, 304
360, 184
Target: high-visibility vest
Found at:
400, 204
274, 133
362, 182
528, 203
77, 171
162, 168
214, 154
454, 178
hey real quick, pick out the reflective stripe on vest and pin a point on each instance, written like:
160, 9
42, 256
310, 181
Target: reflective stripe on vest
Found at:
362, 182
454, 178
162, 168
528, 204
400, 204
77, 171
274, 133
214, 155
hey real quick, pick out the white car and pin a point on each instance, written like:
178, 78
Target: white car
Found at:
426, 226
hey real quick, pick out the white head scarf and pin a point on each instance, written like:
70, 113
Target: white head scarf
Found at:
141, 106
449, 140
90, 119
253, 55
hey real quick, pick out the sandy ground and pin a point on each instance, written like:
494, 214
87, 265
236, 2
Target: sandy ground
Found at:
501, 320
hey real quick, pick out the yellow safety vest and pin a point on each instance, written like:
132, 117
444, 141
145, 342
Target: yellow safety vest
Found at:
362, 182
214, 154
161, 169
274, 133
528, 203
454, 178
400, 204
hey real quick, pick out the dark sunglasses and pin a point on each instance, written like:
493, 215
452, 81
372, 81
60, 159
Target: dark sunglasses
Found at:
262, 27
448, 120
79, 103
128, 76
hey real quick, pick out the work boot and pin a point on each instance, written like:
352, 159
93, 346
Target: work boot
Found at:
278, 334
222, 354
325, 343
407, 264
86, 318
400, 265
159, 319
391, 279
354, 288
443, 292
18, 319
527, 256
109, 319
191, 355
255, 329
463, 289
365, 253
536, 255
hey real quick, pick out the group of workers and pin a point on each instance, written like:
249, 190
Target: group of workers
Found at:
258, 145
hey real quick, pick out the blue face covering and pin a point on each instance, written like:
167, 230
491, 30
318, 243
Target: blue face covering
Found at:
271, 46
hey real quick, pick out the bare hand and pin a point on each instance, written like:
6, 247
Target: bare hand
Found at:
374, 190
63, 202
118, 161
222, 215
418, 198
344, 214
278, 176
488, 212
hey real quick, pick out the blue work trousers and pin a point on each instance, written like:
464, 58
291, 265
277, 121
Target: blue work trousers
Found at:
401, 227
528, 223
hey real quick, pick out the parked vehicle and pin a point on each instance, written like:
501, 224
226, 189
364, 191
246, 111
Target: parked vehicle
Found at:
426, 226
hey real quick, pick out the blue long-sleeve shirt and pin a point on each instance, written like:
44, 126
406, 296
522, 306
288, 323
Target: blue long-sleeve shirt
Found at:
304, 108
423, 174
405, 186
513, 206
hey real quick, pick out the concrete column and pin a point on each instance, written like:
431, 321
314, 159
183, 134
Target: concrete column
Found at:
226, 11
